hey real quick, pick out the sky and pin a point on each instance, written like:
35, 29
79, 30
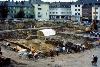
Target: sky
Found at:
47, 0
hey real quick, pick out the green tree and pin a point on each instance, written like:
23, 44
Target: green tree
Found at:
20, 14
4, 10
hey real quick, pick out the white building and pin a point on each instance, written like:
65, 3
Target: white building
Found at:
41, 11
60, 10
76, 11
96, 12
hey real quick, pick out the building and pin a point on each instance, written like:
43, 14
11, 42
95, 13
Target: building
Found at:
41, 11
86, 1
60, 10
35, 1
87, 13
96, 11
15, 7
76, 9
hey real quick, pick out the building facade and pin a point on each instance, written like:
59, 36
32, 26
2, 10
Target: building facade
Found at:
96, 11
60, 10
76, 9
41, 11
15, 7
87, 13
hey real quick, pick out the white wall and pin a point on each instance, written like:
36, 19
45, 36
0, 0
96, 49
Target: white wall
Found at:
44, 12
60, 11
77, 17
97, 12
73, 9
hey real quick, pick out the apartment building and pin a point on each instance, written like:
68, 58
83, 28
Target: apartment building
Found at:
60, 10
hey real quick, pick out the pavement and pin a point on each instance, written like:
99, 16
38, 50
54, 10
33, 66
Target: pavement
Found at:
82, 59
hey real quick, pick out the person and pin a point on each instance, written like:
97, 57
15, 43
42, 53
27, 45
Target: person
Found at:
95, 59
57, 50
51, 54
30, 55
64, 49
83, 48
36, 56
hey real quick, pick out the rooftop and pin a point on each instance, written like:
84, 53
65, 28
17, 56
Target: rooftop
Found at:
60, 5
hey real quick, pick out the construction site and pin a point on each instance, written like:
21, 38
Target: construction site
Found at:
47, 42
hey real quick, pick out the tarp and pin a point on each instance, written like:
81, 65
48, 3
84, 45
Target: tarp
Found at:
48, 32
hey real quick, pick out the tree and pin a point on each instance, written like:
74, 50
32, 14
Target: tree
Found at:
4, 10
20, 14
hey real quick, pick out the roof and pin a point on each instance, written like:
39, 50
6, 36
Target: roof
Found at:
87, 5
86, 1
19, 4
36, 1
60, 5
48, 32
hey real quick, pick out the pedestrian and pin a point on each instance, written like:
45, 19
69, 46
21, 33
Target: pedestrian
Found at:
30, 55
51, 54
95, 59
64, 49
57, 51
83, 48
36, 56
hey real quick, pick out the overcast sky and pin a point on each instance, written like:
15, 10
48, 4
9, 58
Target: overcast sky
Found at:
46, 0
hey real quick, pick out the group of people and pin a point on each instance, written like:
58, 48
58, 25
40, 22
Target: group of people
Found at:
69, 48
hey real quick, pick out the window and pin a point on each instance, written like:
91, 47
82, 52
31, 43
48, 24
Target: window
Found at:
38, 12
50, 12
62, 12
96, 17
57, 16
39, 5
78, 9
75, 5
39, 16
53, 12
95, 12
96, 8
75, 9
46, 13
11, 11
14, 11
56, 12
78, 13
78, 5
39, 8
67, 12
75, 13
